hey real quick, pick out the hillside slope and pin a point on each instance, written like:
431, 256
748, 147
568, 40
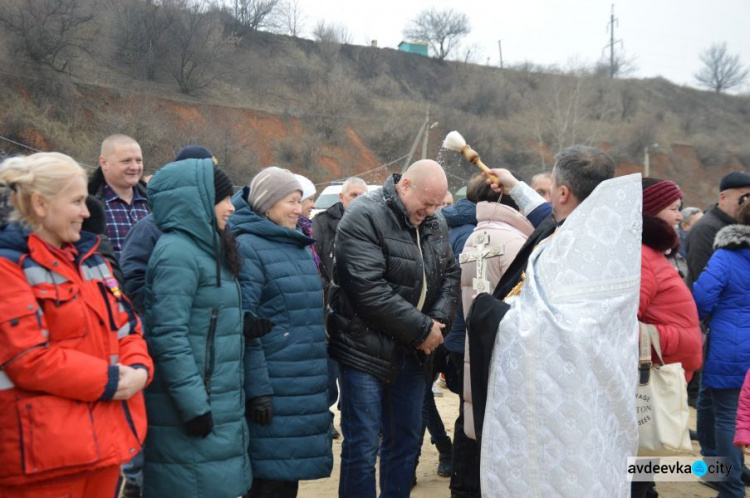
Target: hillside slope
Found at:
329, 110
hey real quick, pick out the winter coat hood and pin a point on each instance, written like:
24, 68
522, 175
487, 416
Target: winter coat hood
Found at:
182, 198
494, 212
463, 212
13, 237
245, 220
733, 237
336, 211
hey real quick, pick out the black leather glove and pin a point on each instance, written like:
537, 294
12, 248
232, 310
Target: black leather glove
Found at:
260, 410
200, 426
254, 327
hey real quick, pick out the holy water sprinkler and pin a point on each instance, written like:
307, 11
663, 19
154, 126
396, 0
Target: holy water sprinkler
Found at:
454, 141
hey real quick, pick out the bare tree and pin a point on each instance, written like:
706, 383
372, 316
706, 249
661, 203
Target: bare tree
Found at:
472, 54
141, 35
257, 15
529, 76
49, 32
331, 102
571, 106
333, 33
441, 29
195, 47
292, 18
721, 70
330, 38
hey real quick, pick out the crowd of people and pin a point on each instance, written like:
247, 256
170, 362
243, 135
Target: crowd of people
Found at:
180, 337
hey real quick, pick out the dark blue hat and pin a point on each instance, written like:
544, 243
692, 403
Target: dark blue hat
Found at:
194, 152
735, 179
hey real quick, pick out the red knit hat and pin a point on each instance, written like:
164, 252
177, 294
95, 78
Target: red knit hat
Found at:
658, 194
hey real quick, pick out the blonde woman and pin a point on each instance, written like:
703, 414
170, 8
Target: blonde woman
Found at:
73, 361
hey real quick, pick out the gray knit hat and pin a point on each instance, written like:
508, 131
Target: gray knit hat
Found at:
270, 186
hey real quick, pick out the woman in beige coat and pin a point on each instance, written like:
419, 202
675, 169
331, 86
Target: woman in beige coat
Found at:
502, 230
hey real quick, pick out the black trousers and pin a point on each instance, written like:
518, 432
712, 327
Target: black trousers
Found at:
643, 490
465, 478
268, 488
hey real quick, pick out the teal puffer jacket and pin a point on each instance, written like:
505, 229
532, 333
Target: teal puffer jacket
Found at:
280, 282
194, 334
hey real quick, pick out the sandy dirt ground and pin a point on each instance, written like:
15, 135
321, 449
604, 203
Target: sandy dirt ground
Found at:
430, 485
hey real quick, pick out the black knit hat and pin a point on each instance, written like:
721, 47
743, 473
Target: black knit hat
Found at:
194, 152
222, 185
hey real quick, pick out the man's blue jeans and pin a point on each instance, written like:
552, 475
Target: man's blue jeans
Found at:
717, 411
368, 404
431, 419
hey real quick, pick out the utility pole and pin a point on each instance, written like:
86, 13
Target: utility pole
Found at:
647, 158
500, 47
422, 129
612, 42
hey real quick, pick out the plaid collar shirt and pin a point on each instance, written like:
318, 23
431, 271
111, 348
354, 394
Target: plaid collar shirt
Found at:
121, 216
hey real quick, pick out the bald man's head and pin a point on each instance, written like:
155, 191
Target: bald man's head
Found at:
121, 161
426, 171
422, 189
110, 143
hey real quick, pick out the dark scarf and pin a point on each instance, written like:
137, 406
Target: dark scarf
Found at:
305, 224
658, 235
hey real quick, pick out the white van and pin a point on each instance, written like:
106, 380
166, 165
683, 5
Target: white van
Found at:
330, 196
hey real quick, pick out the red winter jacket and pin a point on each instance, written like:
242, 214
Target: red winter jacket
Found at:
667, 303
63, 326
742, 429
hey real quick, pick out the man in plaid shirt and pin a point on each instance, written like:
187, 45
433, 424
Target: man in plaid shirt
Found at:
117, 183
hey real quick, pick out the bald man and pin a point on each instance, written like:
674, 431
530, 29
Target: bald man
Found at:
117, 184
394, 294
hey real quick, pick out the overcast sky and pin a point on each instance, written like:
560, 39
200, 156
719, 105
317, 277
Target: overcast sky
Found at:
664, 37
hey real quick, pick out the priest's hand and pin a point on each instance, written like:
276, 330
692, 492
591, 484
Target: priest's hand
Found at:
433, 340
507, 180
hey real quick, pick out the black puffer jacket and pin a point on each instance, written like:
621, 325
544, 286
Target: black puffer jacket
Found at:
700, 240
324, 231
373, 319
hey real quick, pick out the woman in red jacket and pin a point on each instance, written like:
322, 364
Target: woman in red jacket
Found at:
72, 358
665, 300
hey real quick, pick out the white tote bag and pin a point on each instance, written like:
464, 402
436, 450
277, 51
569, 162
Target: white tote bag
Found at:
661, 402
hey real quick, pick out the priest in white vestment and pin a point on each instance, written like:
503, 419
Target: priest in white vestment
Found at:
560, 417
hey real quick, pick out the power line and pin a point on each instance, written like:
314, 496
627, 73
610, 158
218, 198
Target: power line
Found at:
382, 166
37, 150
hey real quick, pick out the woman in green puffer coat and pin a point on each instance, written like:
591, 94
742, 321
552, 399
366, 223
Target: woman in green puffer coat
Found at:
198, 437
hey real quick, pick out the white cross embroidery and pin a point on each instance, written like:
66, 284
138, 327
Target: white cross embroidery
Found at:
481, 254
